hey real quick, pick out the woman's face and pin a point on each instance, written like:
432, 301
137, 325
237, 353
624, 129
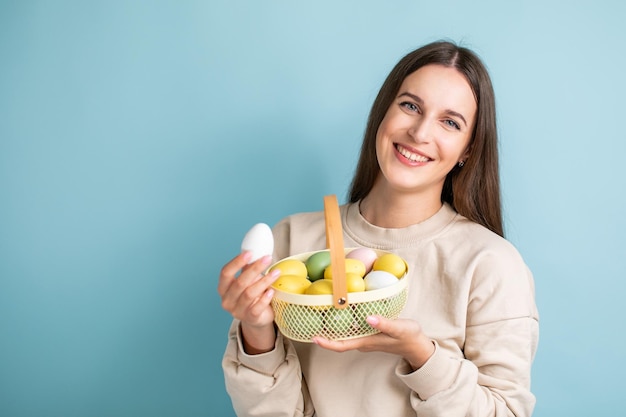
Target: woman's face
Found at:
426, 131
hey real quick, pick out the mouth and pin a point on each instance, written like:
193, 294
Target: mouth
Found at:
411, 156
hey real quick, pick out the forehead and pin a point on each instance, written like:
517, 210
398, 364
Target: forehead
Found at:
443, 87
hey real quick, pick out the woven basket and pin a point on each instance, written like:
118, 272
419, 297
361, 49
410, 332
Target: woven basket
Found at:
341, 315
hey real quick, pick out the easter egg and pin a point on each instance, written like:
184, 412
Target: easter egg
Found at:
290, 267
320, 287
259, 240
391, 263
353, 266
303, 321
379, 279
354, 282
293, 284
316, 264
339, 321
365, 255
364, 310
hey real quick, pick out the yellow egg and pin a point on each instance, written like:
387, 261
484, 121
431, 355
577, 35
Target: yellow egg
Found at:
391, 263
354, 283
293, 284
353, 266
290, 267
319, 287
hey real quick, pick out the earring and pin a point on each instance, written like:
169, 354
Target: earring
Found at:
461, 163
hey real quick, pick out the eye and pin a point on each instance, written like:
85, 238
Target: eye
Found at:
410, 106
452, 124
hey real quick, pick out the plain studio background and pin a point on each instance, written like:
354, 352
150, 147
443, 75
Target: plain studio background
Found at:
139, 140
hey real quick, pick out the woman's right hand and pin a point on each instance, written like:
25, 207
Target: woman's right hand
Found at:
246, 294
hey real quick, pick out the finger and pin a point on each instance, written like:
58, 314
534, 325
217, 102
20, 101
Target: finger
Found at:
240, 297
261, 304
377, 322
335, 345
247, 273
249, 293
338, 345
392, 328
251, 275
253, 272
230, 270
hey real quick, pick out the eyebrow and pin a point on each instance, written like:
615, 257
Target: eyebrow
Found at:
420, 101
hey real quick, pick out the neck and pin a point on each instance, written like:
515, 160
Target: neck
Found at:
394, 210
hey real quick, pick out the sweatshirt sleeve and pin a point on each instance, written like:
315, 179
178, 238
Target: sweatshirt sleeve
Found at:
493, 376
268, 384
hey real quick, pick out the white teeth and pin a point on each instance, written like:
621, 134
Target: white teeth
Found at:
410, 155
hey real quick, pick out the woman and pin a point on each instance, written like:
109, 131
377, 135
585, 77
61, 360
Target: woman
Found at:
427, 188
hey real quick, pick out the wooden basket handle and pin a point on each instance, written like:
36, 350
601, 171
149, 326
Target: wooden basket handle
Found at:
334, 242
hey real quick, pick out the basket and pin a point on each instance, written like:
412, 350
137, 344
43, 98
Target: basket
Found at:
341, 315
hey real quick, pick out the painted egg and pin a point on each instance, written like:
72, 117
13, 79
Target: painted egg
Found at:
379, 279
391, 263
365, 255
316, 264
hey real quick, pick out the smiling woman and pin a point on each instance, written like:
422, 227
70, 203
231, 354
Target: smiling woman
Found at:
424, 133
426, 188
462, 186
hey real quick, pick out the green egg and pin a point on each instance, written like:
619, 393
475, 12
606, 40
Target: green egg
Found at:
304, 322
372, 308
316, 264
339, 321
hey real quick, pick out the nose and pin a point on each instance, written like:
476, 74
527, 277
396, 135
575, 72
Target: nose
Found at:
421, 129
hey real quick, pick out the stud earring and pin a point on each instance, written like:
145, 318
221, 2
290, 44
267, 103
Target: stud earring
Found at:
461, 163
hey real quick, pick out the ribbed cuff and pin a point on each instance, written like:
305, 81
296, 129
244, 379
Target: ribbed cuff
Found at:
436, 375
265, 363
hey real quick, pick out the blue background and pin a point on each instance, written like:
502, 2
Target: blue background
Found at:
139, 140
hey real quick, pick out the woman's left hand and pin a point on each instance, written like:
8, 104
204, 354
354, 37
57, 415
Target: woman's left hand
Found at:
402, 337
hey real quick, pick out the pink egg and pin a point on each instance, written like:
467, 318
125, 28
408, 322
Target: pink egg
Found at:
365, 255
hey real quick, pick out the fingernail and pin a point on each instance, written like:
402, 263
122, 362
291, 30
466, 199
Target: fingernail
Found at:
266, 260
372, 320
247, 255
275, 273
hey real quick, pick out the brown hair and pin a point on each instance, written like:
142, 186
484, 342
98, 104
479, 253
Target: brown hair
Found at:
473, 190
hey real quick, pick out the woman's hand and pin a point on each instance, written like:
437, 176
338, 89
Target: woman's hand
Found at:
246, 294
402, 337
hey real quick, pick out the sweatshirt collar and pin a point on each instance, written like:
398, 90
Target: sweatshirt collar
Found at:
367, 234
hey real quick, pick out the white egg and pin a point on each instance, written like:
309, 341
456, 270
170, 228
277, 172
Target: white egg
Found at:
379, 279
259, 240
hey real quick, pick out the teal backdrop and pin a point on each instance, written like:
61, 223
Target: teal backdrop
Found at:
139, 140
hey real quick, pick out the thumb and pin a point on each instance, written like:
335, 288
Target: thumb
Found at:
396, 328
383, 324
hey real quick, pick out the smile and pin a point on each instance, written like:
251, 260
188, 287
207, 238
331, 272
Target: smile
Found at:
410, 155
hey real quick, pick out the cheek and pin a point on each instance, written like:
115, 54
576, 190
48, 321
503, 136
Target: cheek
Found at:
387, 124
379, 140
379, 151
384, 134
384, 147
454, 147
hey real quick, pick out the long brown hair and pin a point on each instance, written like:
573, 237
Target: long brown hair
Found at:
472, 190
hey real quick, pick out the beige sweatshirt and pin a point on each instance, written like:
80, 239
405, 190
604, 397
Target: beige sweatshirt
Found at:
470, 291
